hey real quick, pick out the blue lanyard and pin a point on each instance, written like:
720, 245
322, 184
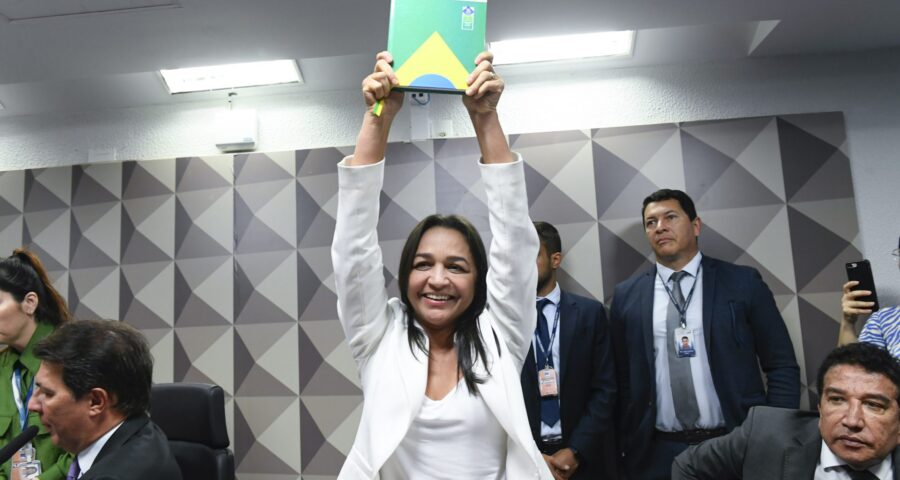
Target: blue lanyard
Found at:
548, 351
682, 310
21, 405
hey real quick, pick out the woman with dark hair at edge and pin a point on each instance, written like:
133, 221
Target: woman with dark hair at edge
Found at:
439, 366
30, 309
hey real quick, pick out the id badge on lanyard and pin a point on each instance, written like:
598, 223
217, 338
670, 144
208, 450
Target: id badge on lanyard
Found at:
548, 381
25, 461
682, 337
684, 343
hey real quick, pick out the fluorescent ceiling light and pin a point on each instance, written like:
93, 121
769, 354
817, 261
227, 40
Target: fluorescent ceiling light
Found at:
563, 47
236, 75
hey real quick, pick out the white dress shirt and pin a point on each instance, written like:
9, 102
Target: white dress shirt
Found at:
830, 467
707, 400
87, 456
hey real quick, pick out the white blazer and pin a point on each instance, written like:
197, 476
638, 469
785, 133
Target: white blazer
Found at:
393, 377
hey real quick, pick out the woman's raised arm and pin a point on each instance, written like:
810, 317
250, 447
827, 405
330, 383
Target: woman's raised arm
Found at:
372, 140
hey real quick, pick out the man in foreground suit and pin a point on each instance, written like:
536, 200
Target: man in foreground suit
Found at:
669, 396
93, 393
854, 436
572, 428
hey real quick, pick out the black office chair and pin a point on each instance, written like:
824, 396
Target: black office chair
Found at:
192, 415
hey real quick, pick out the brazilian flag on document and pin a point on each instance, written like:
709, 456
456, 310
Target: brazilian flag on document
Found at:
435, 42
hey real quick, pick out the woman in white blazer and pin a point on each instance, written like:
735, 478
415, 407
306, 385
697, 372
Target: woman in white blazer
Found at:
439, 366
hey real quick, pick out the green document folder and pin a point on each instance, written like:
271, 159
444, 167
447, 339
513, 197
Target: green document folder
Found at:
435, 42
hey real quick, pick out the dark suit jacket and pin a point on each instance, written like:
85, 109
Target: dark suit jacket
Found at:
773, 444
587, 384
138, 450
743, 332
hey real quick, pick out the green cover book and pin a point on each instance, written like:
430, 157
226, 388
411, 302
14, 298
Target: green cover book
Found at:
435, 42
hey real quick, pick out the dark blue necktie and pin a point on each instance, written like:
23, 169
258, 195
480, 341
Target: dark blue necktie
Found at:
549, 405
859, 474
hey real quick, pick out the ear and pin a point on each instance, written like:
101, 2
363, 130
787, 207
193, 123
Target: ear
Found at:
555, 260
697, 226
99, 401
30, 303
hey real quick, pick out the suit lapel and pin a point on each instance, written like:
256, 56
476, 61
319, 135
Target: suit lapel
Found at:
708, 269
129, 427
896, 458
646, 308
531, 393
800, 459
414, 365
494, 391
529, 370
568, 324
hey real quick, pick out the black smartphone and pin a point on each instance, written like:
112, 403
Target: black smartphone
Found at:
861, 271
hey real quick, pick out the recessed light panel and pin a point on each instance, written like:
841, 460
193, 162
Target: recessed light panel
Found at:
563, 47
236, 75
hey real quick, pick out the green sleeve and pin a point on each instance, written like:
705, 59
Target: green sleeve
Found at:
58, 470
54, 462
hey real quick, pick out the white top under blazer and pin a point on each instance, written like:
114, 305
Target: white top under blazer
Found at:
451, 438
393, 377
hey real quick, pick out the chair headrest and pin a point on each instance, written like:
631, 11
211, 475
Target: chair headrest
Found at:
190, 412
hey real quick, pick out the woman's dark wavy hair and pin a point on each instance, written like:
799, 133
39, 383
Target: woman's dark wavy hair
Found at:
23, 272
469, 342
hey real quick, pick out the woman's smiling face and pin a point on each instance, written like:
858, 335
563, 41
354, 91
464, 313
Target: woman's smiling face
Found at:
442, 280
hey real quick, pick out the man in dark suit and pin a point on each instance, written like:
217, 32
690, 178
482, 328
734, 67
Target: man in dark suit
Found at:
572, 421
92, 394
858, 424
671, 397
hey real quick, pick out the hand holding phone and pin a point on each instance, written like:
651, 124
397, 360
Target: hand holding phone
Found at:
859, 296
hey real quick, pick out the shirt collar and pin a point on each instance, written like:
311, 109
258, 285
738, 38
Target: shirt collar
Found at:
87, 456
27, 357
692, 268
553, 296
829, 461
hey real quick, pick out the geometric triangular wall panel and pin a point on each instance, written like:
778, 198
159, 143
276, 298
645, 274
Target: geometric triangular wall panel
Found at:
12, 204
224, 263
774, 193
316, 182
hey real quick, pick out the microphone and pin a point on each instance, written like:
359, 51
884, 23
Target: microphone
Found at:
12, 447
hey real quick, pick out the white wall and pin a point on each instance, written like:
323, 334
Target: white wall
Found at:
863, 86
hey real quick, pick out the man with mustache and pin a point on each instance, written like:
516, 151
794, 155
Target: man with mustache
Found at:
671, 397
854, 435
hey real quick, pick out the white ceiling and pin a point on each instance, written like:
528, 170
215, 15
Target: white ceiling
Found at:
58, 56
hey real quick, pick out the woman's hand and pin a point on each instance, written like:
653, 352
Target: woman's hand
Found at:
371, 142
484, 87
379, 86
481, 98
